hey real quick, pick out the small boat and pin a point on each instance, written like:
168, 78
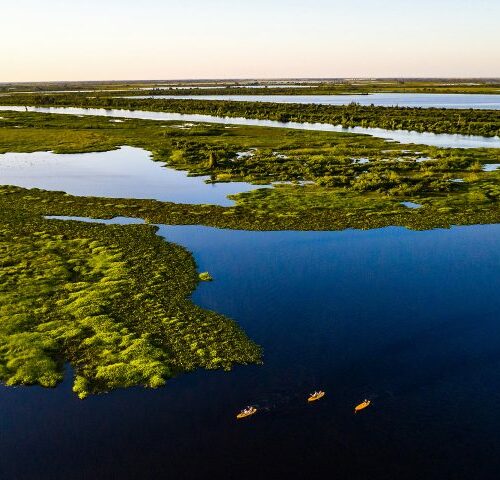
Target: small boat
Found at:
362, 405
316, 396
246, 412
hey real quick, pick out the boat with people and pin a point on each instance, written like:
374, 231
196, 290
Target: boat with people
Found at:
246, 412
313, 397
364, 404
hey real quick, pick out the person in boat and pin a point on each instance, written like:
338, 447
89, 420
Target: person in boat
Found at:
316, 395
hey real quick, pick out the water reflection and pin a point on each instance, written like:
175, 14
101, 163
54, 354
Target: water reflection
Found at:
124, 173
420, 100
401, 136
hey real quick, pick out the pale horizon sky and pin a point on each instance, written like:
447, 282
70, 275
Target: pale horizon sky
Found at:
50, 40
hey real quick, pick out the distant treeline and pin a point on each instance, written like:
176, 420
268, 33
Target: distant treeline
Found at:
289, 87
342, 88
436, 120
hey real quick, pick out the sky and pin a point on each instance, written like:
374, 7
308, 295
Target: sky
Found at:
44, 40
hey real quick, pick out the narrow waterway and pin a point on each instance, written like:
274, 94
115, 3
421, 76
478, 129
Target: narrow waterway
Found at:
400, 136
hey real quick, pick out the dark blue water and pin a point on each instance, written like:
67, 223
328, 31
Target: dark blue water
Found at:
407, 319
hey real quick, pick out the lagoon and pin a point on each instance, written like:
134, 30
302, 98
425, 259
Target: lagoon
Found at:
124, 173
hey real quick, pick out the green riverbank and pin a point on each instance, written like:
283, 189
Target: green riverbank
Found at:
436, 120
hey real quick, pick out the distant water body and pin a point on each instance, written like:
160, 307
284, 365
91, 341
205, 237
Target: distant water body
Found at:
421, 100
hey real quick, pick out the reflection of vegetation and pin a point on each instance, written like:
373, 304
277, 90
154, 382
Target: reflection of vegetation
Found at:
436, 120
110, 300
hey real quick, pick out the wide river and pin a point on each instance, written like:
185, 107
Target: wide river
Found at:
421, 100
401, 136
406, 319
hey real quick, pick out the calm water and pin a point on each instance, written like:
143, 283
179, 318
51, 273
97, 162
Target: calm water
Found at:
411, 204
213, 87
401, 136
423, 100
407, 319
124, 173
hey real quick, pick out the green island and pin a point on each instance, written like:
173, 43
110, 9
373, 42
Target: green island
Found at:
113, 301
436, 120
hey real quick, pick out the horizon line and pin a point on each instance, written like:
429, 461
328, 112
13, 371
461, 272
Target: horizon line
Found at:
246, 79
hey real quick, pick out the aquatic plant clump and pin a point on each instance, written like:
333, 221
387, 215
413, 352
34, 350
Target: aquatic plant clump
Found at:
205, 277
111, 301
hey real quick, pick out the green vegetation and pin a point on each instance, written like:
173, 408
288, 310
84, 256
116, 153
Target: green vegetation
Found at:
284, 208
317, 87
345, 87
358, 181
205, 277
113, 300
436, 120
110, 300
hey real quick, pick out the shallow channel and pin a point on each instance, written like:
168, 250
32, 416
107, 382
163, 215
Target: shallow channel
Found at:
400, 136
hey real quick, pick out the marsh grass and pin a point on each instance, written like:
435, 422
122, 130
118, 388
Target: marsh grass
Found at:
110, 300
